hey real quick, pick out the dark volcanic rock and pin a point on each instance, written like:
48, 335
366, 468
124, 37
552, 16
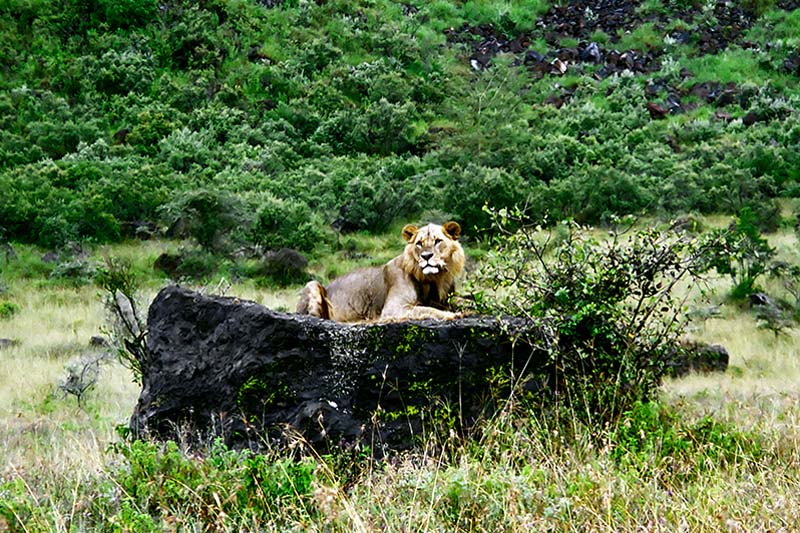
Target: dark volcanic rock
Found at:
168, 264
8, 343
285, 266
657, 111
698, 357
223, 366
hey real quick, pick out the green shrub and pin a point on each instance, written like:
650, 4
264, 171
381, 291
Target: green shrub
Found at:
127, 327
8, 309
653, 437
598, 196
120, 72
740, 252
286, 224
236, 486
127, 13
606, 307
197, 265
151, 125
75, 271
383, 128
183, 149
469, 191
209, 217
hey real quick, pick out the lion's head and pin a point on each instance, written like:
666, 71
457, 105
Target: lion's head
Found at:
433, 253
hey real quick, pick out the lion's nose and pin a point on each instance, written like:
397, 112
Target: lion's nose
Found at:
426, 255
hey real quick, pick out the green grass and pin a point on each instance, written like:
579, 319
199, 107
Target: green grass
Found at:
732, 65
644, 38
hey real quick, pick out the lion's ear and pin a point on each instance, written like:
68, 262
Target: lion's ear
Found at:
409, 232
452, 230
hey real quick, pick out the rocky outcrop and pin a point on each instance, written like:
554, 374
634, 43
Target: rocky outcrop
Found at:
223, 366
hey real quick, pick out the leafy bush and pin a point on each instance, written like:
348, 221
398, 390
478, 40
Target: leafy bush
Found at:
651, 436
245, 487
740, 252
120, 72
75, 270
469, 191
127, 326
607, 304
126, 13
8, 309
383, 128
283, 267
208, 216
286, 224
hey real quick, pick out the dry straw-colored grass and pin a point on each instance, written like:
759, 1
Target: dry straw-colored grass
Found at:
521, 476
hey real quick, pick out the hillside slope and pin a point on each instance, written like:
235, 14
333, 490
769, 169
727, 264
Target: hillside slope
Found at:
359, 114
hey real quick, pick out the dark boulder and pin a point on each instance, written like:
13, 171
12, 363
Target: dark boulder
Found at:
168, 264
224, 366
697, 357
285, 267
8, 343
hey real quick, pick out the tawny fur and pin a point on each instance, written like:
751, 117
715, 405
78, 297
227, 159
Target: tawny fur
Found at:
413, 285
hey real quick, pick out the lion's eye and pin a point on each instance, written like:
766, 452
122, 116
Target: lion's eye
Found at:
419, 245
437, 242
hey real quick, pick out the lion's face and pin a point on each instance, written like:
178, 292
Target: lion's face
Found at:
433, 250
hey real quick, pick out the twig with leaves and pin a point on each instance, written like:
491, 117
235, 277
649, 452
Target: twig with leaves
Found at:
128, 329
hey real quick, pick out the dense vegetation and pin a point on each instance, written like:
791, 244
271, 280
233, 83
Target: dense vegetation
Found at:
295, 116
247, 126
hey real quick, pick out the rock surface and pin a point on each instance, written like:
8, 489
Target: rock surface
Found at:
229, 367
221, 366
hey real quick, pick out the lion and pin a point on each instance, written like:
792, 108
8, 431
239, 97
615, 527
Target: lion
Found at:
413, 286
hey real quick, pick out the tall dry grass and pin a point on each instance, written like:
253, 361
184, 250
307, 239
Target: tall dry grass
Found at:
521, 474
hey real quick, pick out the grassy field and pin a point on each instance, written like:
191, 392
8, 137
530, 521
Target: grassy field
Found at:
719, 453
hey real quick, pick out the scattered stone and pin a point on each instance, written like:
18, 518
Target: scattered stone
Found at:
592, 54
270, 4
409, 10
98, 341
751, 118
8, 343
714, 92
792, 63
698, 357
121, 136
255, 55
139, 229
761, 299
8, 251
657, 111
50, 257
580, 19
285, 267
722, 115
168, 264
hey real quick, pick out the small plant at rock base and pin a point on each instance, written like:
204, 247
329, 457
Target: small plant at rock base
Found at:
651, 435
607, 304
128, 327
221, 486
